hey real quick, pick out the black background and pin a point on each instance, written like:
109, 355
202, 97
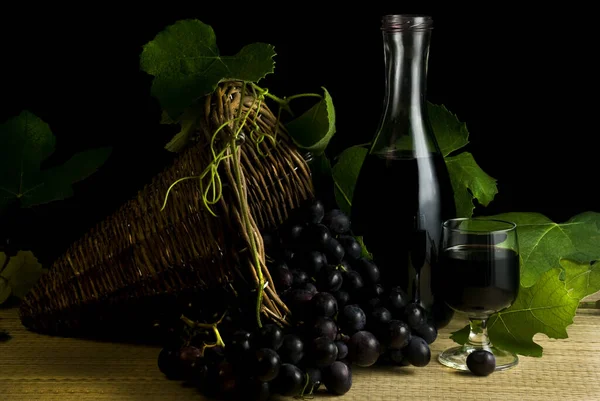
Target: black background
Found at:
522, 82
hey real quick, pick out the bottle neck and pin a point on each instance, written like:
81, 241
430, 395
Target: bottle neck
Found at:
404, 124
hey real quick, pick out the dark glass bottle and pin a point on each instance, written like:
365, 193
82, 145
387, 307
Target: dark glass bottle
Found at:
403, 192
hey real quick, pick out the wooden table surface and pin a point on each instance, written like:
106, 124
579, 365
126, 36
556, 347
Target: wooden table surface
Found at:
38, 367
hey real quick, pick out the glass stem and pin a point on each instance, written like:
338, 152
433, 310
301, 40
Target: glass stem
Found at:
478, 336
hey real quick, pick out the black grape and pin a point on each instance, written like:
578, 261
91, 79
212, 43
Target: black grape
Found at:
292, 235
316, 236
368, 270
168, 363
226, 379
363, 349
254, 390
398, 358
292, 349
334, 250
481, 362
311, 262
300, 277
270, 336
267, 364
427, 332
188, 356
414, 315
314, 379
398, 335
324, 304
353, 282
329, 280
323, 327
314, 211
352, 319
337, 221
417, 352
397, 300
342, 349
378, 320
351, 246
310, 287
337, 378
342, 298
371, 291
239, 347
323, 352
298, 301
282, 276
290, 380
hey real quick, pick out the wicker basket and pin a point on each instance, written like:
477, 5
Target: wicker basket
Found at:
132, 266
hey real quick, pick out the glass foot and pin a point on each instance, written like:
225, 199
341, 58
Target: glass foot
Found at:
456, 357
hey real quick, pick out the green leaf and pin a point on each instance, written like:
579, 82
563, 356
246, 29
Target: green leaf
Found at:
544, 308
582, 276
451, 134
20, 275
185, 62
469, 182
25, 142
543, 243
314, 129
345, 173
364, 251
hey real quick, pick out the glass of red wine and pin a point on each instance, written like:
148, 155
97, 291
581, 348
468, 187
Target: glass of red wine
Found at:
480, 269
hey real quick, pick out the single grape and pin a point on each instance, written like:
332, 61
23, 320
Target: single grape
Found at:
310, 287
427, 332
292, 349
282, 276
368, 270
337, 221
300, 277
334, 251
363, 349
314, 211
324, 304
398, 335
323, 327
481, 362
270, 336
397, 300
169, 364
337, 378
323, 352
342, 349
353, 282
371, 291
267, 364
417, 352
414, 315
342, 298
397, 357
378, 320
314, 379
329, 280
316, 236
188, 356
226, 378
290, 380
238, 347
311, 262
352, 319
254, 390
351, 246
292, 235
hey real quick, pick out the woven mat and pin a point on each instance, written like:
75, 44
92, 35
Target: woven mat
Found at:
37, 367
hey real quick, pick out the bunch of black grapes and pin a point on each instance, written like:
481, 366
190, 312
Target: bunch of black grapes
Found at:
341, 316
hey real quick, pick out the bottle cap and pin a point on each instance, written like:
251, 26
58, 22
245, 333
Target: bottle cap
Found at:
406, 22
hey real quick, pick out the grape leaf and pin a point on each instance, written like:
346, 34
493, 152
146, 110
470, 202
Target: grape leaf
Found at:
364, 251
469, 181
313, 130
25, 142
20, 275
345, 173
450, 133
542, 242
582, 276
545, 307
185, 62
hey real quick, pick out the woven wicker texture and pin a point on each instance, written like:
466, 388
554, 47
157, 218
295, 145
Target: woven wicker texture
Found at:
40, 367
135, 260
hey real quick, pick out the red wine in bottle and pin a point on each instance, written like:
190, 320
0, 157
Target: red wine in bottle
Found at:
403, 193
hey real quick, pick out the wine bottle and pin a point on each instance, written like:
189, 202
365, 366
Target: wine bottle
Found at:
403, 192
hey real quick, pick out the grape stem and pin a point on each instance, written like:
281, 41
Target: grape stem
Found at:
209, 326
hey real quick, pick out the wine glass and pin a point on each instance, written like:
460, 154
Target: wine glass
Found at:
480, 269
